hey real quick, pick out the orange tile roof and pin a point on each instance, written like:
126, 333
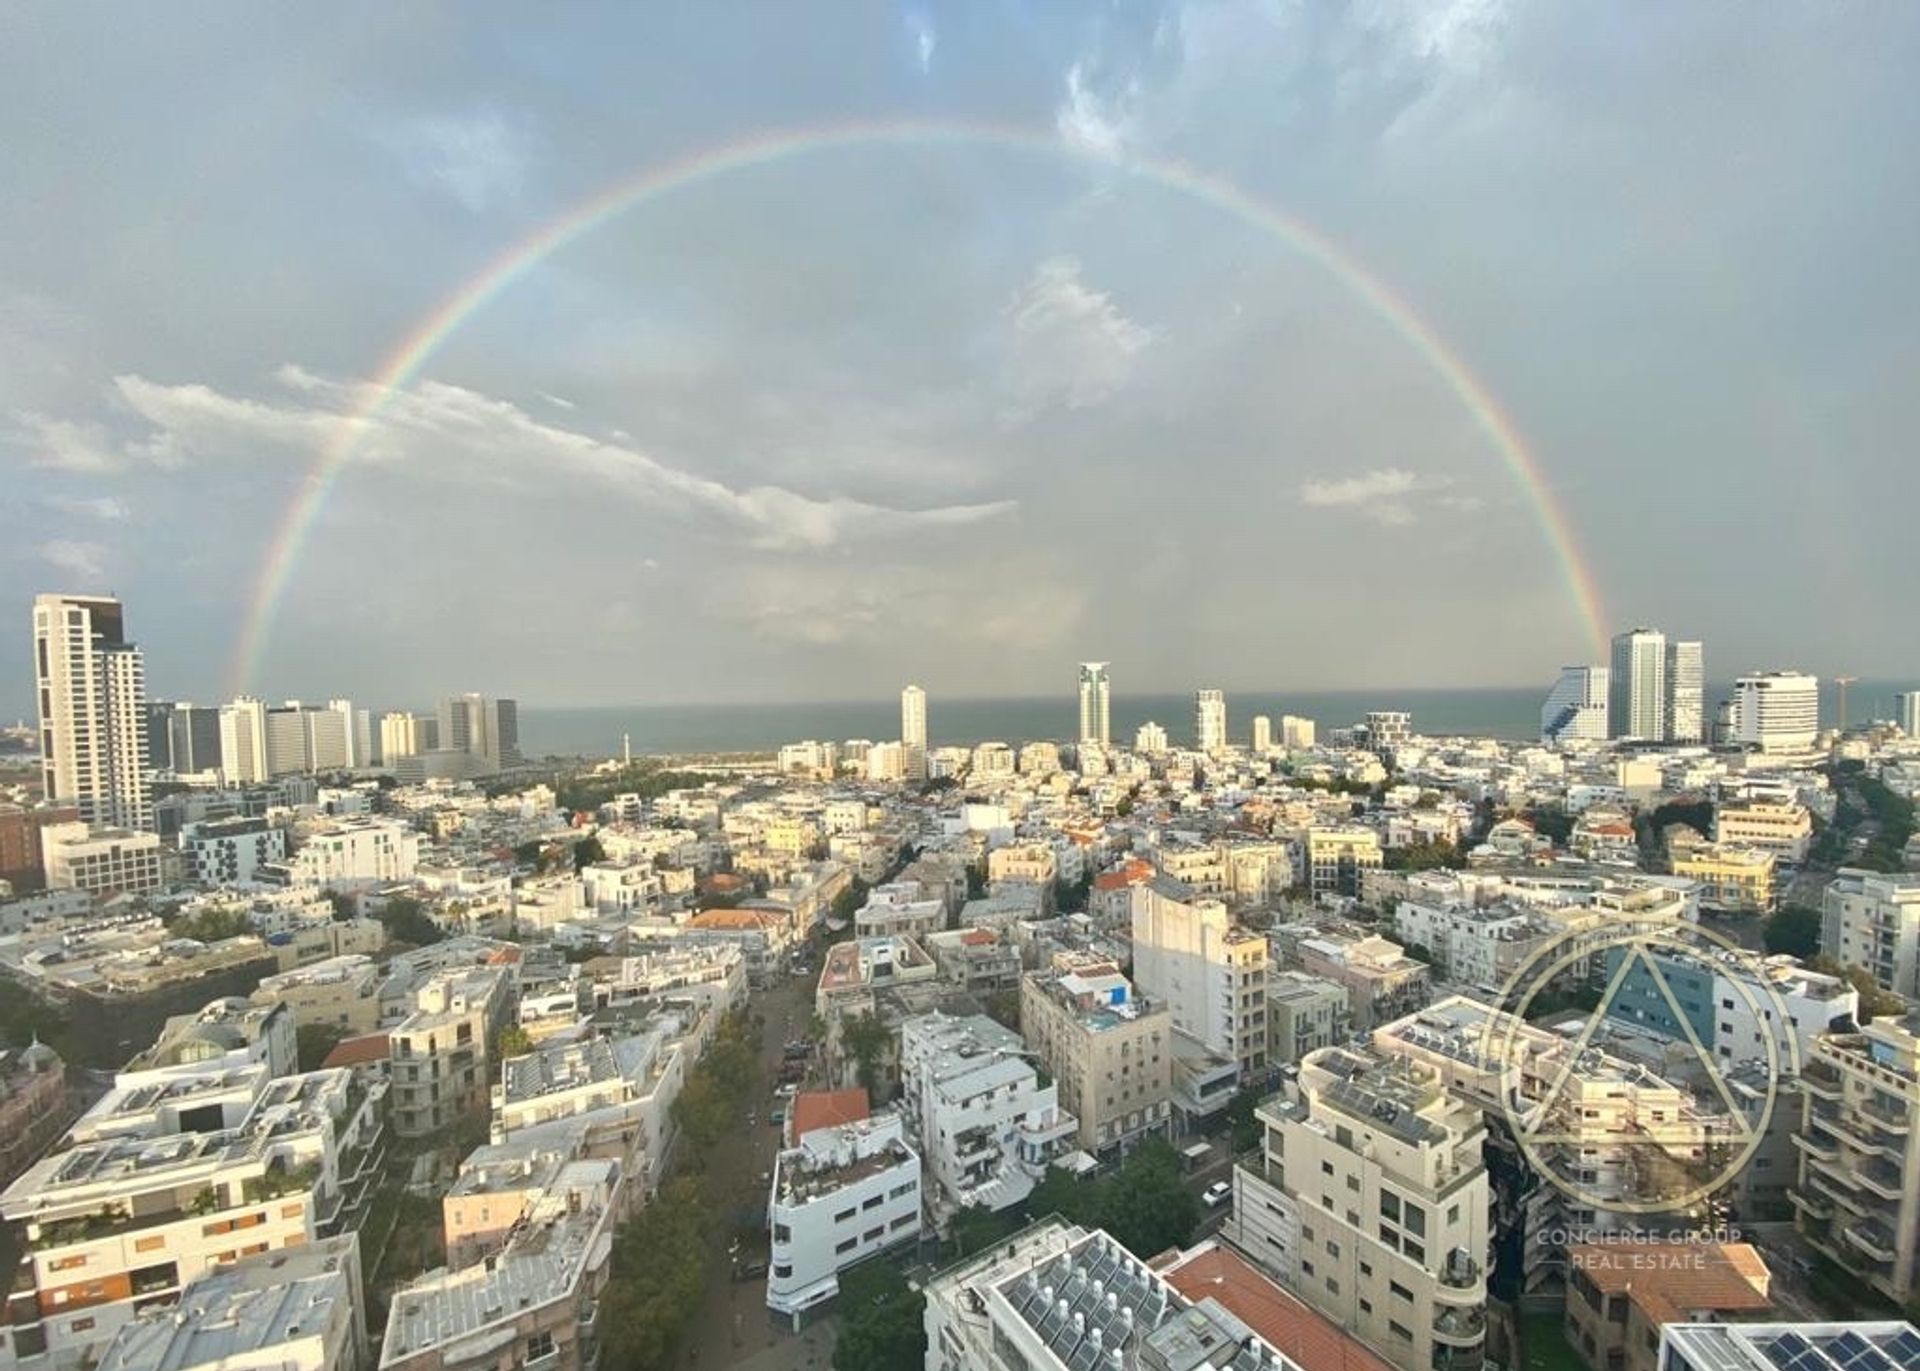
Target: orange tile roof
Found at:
827, 1109
369, 1047
1669, 1281
736, 918
1131, 873
1311, 1339
979, 937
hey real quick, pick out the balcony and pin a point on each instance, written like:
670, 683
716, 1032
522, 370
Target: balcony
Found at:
1461, 1327
1825, 1184
1816, 1146
1882, 1177
1460, 1271
1458, 1358
1822, 1079
1873, 1238
1895, 1118
1811, 1205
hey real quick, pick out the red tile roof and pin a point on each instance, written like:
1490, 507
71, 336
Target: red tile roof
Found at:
1673, 1281
1311, 1339
369, 1047
827, 1109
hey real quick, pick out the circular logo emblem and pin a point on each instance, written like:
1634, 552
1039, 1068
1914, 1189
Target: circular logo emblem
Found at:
1655, 1132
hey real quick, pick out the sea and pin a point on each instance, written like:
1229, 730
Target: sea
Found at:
1506, 713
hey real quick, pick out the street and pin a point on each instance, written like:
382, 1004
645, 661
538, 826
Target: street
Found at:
734, 1328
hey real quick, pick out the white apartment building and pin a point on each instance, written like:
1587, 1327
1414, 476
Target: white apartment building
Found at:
1906, 712
357, 851
983, 1124
1057, 1297
533, 1305
1576, 708
227, 852
1637, 684
913, 731
1150, 739
842, 1195
898, 909
1211, 975
1296, 733
169, 1175
1777, 711
1369, 1200
299, 1309
619, 1090
1262, 735
1785, 829
1304, 1014
1110, 1050
100, 861
1210, 722
91, 687
441, 1050
1872, 919
1482, 946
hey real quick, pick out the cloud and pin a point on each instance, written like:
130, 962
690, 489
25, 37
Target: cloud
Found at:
62, 444
1012, 604
103, 507
1101, 124
88, 561
920, 27
437, 428
557, 401
1377, 495
1070, 343
479, 159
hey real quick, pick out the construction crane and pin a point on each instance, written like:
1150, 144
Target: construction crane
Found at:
1843, 682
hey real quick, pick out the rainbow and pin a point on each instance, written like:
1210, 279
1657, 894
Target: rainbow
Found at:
403, 364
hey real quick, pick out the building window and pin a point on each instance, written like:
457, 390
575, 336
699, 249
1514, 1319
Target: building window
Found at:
1390, 1205
1326, 1168
873, 1201
540, 1345
1399, 1332
844, 1215
1399, 1291
782, 1270
842, 1248
1414, 1219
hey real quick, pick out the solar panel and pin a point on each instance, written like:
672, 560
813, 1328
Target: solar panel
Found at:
1904, 1350
1786, 1350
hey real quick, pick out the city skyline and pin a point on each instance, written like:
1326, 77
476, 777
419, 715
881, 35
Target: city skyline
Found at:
1443, 331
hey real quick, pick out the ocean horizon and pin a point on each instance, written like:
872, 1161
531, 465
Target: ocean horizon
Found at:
1508, 713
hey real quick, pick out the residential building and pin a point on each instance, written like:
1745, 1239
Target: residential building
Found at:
1110, 1050
1336, 857
762, 936
34, 1108
840, 1196
91, 688
1057, 1297
1777, 711
1296, 733
1737, 880
298, 1309
1262, 740
1728, 1003
982, 961
356, 852
231, 851
340, 992
1859, 1146
534, 1303
184, 738
1783, 828
1620, 1295
1576, 707
1209, 973
1150, 739
22, 863
168, 1175
308, 739
1304, 1014
407, 735
1210, 722
1096, 706
1887, 1344
1686, 692
1382, 982
1872, 919
1388, 730
243, 741
1637, 685
985, 1125
913, 732
441, 1051
1906, 712
1476, 945
1369, 1200
100, 861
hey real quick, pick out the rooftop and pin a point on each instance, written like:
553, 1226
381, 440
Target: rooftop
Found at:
1297, 1331
1674, 1281
827, 1109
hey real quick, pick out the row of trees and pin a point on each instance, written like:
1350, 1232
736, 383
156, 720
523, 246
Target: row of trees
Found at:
708, 1106
648, 779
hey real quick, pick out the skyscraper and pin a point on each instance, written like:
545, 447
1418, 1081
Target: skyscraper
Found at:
484, 727
1576, 707
243, 741
1777, 711
1210, 721
913, 731
1262, 733
1906, 712
92, 693
1096, 712
1686, 692
182, 738
1637, 700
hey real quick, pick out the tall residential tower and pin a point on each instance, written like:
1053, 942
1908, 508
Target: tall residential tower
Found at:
92, 693
913, 731
1686, 692
1210, 721
1637, 704
1096, 706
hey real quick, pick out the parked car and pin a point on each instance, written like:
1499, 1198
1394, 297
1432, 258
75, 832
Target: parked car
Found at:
749, 1270
1217, 1193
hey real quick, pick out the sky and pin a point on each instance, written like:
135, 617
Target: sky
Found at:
965, 406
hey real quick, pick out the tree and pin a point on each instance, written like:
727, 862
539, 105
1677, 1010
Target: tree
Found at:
1070, 897
976, 1228
407, 922
1875, 1003
1423, 856
1793, 929
315, 1041
882, 1320
529, 852
658, 1277
588, 851
850, 900
1420, 952
1553, 822
512, 1041
212, 924
864, 1038
1147, 1205
1246, 1128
